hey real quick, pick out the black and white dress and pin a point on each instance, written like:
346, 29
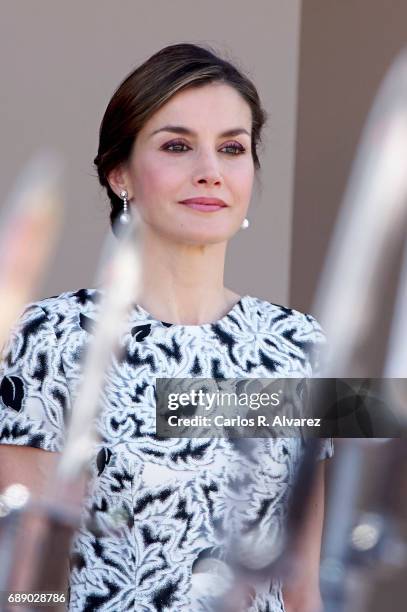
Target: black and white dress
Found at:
159, 503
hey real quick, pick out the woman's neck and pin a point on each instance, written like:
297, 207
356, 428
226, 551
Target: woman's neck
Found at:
183, 283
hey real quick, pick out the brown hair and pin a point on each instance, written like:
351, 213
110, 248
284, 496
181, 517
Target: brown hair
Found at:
149, 87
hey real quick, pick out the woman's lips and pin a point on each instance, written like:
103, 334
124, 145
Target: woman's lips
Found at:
204, 204
202, 207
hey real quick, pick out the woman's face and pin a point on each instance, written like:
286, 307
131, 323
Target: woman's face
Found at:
194, 158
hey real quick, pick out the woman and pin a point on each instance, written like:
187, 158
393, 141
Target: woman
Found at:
178, 141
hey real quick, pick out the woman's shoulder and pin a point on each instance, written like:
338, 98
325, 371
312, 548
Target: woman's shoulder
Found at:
282, 318
296, 331
87, 297
55, 315
63, 305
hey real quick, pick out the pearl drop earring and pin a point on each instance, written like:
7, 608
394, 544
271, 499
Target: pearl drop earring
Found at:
245, 223
124, 216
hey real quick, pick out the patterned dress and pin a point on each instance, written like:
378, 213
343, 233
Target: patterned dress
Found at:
156, 505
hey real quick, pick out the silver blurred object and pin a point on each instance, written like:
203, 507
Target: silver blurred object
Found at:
372, 221
61, 505
121, 289
32, 211
373, 217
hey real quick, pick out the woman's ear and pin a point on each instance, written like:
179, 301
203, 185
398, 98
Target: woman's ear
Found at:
118, 180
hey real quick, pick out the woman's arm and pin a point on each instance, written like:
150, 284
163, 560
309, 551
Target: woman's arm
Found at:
33, 468
301, 593
29, 466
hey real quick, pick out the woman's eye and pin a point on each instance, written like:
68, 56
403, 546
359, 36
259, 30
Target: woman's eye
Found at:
236, 149
175, 147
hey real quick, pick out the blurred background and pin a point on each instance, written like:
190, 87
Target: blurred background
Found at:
317, 65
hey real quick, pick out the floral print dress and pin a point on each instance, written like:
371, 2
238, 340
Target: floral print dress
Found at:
158, 504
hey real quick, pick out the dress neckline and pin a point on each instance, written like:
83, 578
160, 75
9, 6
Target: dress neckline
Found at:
239, 305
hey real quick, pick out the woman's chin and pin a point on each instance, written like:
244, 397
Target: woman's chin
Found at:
196, 234
199, 236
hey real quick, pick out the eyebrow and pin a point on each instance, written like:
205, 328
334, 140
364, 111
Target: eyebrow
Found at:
179, 129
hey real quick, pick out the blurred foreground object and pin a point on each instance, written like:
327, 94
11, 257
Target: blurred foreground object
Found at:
371, 224
30, 225
371, 227
39, 559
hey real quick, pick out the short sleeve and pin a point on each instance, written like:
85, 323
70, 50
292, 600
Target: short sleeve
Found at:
318, 348
34, 397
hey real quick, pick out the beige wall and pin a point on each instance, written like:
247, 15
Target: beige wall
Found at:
345, 50
61, 61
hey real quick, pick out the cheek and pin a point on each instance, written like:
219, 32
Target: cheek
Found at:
156, 179
241, 180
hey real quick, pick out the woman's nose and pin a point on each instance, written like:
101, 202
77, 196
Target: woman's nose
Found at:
209, 178
207, 169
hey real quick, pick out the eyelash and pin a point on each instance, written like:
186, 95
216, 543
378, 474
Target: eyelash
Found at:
234, 146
